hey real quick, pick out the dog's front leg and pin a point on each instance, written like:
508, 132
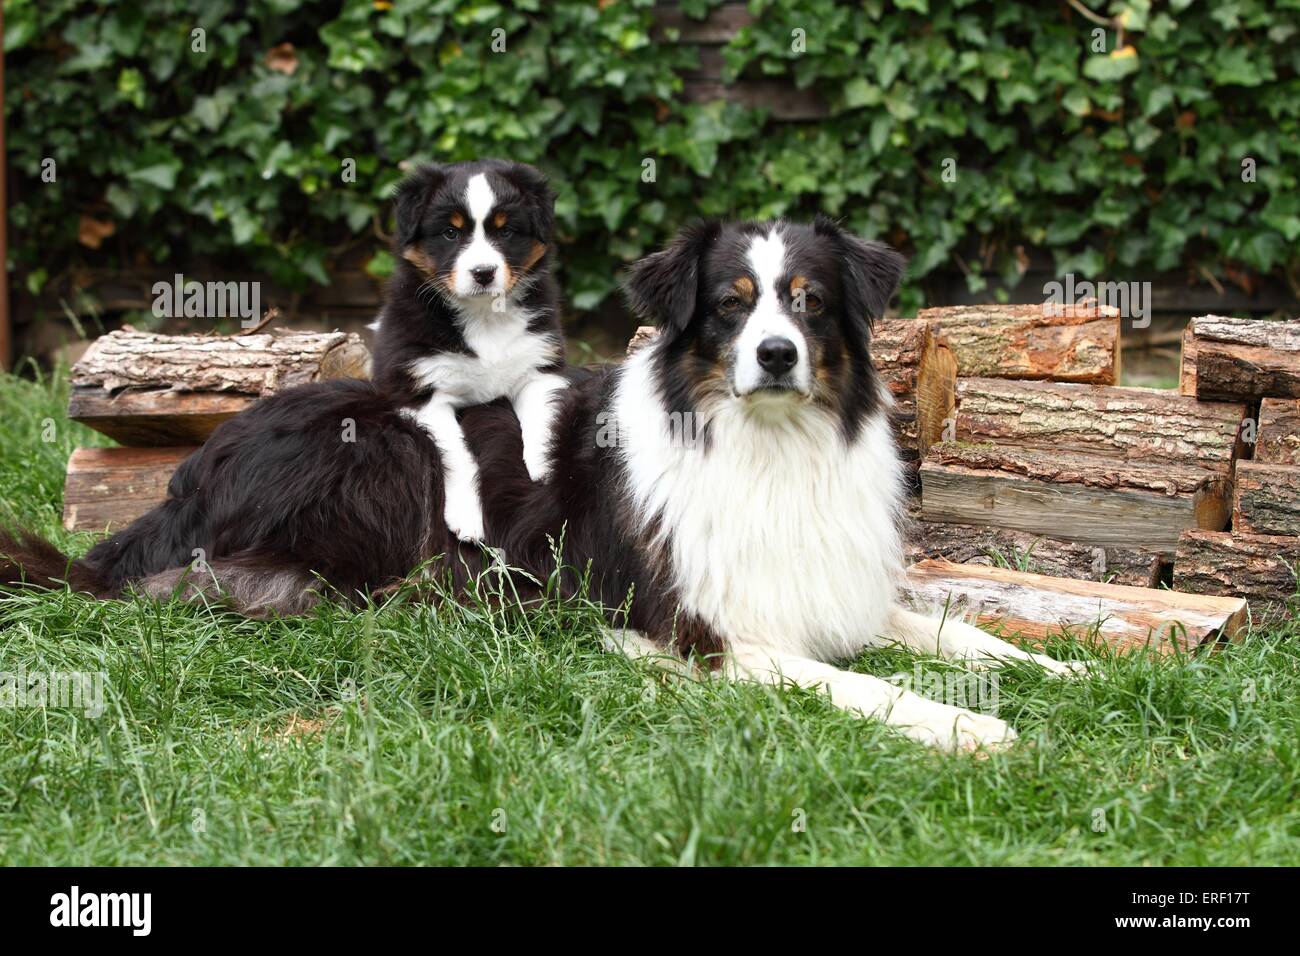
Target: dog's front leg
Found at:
930, 722
534, 407
950, 637
461, 507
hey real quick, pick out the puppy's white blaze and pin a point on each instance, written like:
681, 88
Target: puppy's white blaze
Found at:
479, 199
780, 534
767, 259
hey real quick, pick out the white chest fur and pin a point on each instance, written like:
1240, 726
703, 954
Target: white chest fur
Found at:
780, 534
506, 357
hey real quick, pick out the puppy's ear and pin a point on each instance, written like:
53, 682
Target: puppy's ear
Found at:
870, 273
663, 286
533, 185
412, 196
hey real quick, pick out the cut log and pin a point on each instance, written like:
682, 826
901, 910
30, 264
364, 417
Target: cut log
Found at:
1257, 568
1277, 439
1266, 499
1113, 467
916, 366
920, 372
108, 488
144, 389
1034, 607
1064, 343
1002, 547
1245, 359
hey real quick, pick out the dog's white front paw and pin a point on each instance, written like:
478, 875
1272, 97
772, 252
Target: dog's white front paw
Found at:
1064, 668
463, 515
961, 731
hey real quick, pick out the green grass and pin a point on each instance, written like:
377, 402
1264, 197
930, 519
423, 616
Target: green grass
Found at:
467, 736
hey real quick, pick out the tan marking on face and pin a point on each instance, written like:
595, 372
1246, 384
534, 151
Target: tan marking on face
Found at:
534, 255
744, 287
499, 220
458, 220
421, 260
508, 276
797, 283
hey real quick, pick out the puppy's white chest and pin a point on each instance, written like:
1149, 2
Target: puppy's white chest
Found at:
506, 357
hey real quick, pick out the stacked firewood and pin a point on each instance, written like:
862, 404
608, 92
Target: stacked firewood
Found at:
1258, 363
160, 396
1200, 489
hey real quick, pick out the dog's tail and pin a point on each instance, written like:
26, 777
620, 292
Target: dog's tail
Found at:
27, 558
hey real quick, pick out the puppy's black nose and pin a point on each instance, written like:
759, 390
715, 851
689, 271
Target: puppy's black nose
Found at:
777, 355
483, 274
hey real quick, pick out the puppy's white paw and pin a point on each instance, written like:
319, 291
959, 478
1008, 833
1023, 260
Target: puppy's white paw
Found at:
962, 731
463, 515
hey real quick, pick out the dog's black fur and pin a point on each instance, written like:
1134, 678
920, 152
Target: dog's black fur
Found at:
276, 494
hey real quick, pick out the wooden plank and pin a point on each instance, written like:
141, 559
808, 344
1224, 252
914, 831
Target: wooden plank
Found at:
1092, 514
1246, 359
1077, 343
1278, 437
108, 488
144, 389
1002, 547
1257, 568
1266, 499
1034, 607
155, 417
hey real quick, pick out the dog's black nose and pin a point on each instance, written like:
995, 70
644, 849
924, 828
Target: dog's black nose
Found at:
777, 355
483, 274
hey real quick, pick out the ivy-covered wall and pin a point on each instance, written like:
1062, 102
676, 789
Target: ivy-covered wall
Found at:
966, 132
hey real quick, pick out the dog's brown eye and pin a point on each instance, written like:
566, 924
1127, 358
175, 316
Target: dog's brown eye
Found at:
505, 232
451, 232
812, 303
730, 302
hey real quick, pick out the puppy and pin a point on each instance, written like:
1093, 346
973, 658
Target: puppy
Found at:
472, 314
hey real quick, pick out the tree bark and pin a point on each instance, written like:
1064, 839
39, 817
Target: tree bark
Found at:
1266, 499
1034, 607
1080, 344
145, 389
1245, 359
1255, 567
1278, 438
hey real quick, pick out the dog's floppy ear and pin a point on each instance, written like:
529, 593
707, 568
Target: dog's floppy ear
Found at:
411, 198
533, 185
870, 273
663, 286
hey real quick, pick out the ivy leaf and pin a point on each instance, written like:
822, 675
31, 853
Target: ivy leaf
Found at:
1111, 66
162, 174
